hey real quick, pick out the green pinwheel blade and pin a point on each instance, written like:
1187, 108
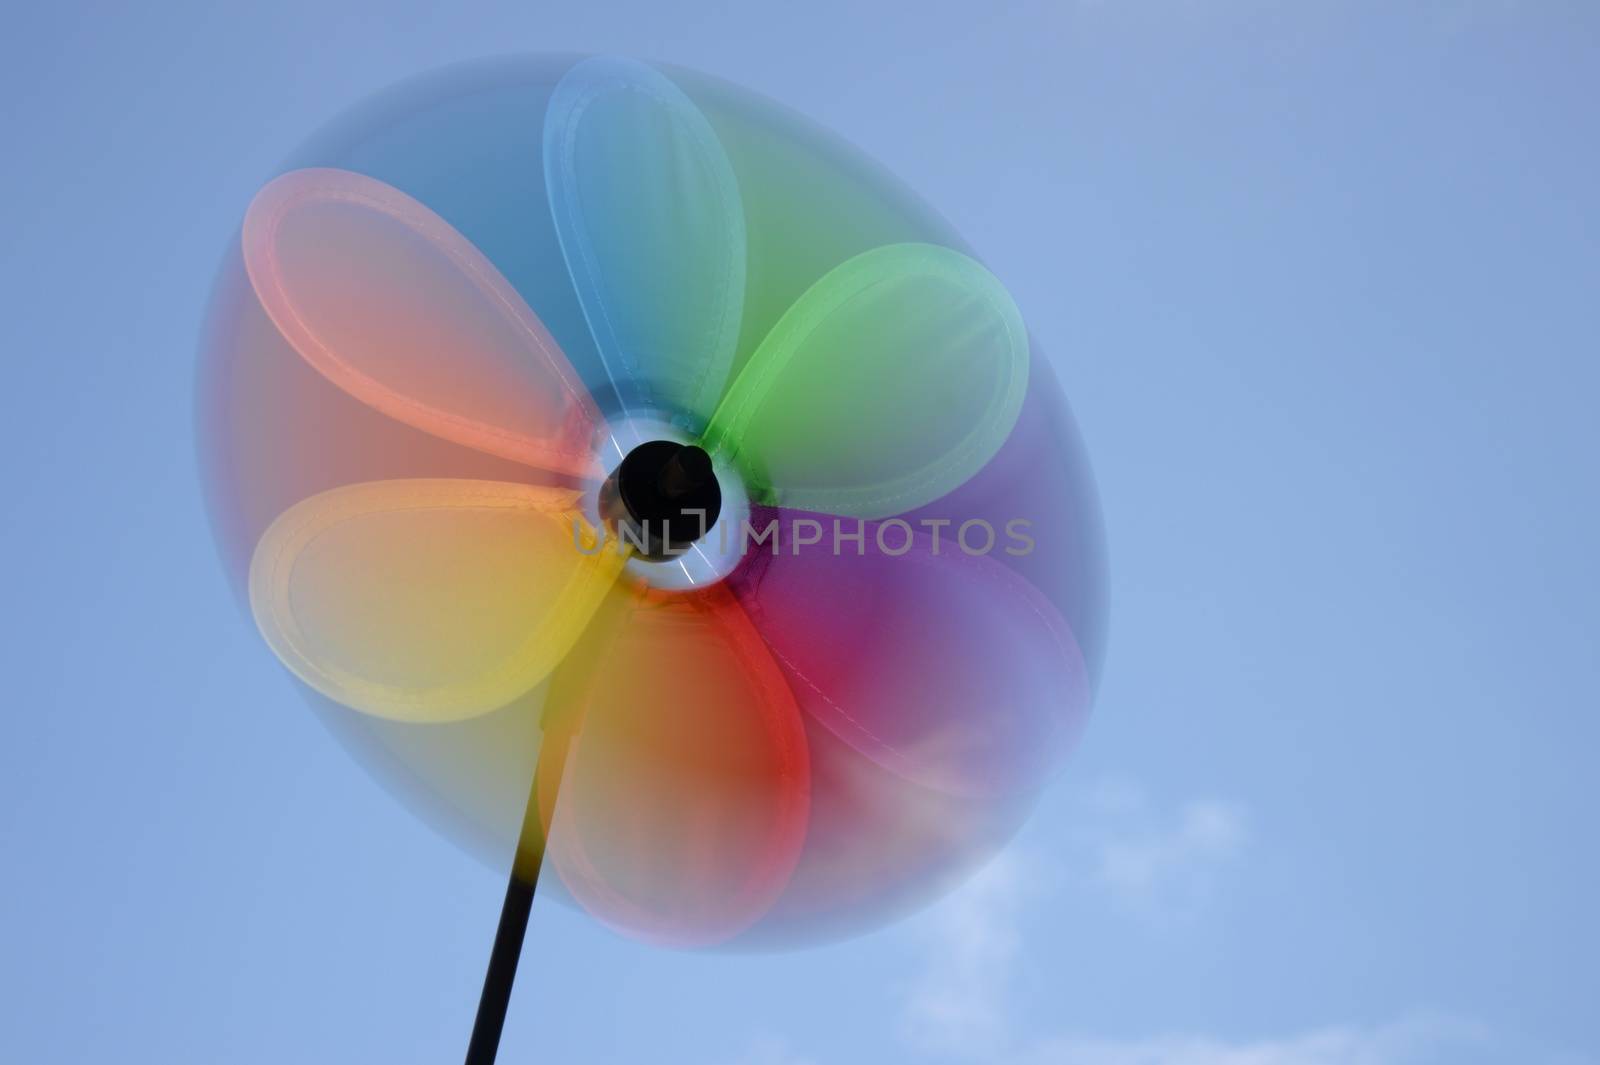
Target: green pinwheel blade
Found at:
887, 384
648, 214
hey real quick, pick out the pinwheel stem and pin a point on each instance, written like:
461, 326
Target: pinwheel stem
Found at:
502, 972
514, 914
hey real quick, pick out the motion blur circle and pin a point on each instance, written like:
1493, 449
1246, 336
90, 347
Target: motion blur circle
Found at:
464, 305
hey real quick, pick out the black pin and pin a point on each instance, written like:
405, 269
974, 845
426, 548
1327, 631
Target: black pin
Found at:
662, 498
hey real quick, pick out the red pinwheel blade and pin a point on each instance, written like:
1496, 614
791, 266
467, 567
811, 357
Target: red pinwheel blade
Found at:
683, 800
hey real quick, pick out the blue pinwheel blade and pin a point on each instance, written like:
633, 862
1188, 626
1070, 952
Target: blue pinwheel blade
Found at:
650, 222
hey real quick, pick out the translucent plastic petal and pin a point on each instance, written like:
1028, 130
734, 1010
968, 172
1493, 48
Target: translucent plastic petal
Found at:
427, 600
683, 804
649, 219
877, 846
889, 383
945, 667
395, 307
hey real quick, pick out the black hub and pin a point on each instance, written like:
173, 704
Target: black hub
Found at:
662, 498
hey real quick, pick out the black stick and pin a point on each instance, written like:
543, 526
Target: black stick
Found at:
502, 972
513, 928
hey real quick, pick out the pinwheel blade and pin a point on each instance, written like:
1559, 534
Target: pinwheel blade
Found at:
946, 668
683, 804
427, 600
649, 218
877, 846
888, 383
395, 307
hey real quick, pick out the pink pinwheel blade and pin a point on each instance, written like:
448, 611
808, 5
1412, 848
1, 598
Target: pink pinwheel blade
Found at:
944, 667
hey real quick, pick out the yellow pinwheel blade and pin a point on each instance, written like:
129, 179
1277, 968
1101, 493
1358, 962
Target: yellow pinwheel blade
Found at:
428, 600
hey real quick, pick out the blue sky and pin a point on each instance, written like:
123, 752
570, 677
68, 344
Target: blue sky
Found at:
1320, 279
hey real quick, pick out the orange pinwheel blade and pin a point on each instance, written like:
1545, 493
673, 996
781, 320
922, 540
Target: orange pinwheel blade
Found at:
427, 600
396, 308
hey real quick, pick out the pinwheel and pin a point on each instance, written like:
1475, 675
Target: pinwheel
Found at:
757, 623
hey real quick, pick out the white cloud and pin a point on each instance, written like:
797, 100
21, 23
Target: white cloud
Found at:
1157, 862
772, 1051
958, 1003
1154, 862
1414, 1041
1417, 1040
1160, 863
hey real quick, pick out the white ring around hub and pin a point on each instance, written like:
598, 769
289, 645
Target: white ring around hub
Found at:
709, 559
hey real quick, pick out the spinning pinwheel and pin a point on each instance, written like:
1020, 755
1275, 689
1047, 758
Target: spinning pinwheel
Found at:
765, 626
